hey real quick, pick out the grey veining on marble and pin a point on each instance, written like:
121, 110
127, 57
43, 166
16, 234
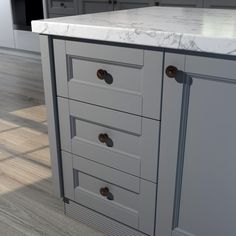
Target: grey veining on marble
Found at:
194, 29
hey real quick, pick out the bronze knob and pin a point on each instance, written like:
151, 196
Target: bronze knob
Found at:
105, 192
63, 4
104, 138
104, 75
171, 71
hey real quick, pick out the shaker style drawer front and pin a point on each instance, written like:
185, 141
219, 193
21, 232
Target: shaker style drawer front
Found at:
119, 140
93, 188
63, 7
123, 79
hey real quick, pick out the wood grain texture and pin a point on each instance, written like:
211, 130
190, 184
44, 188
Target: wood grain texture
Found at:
27, 206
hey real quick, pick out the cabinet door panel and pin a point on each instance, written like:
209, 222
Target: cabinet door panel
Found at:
210, 160
6, 24
201, 158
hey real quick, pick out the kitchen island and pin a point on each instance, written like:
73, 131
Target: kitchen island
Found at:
141, 115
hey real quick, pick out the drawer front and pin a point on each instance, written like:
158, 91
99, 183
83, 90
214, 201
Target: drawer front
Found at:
130, 145
62, 7
123, 79
105, 191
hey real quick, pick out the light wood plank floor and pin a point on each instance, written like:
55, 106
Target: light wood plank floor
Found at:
27, 206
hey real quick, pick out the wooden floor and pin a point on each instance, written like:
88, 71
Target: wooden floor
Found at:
27, 206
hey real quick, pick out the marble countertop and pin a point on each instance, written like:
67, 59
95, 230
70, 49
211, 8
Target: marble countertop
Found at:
203, 30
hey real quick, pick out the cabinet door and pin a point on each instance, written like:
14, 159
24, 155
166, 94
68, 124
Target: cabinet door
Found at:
6, 24
229, 4
93, 6
196, 193
180, 3
129, 4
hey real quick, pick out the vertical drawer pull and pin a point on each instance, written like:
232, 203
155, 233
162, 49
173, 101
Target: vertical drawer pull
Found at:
104, 138
104, 75
105, 192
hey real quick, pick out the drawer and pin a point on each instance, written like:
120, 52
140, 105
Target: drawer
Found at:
119, 78
110, 192
63, 7
119, 140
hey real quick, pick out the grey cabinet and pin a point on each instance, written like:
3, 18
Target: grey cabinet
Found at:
196, 193
105, 134
70, 7
93, 6
60, 8
180, 3
228, 4
6, 24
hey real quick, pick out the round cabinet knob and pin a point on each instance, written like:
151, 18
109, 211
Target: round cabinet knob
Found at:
104, 75
171, 71
105, 192
104, 138
63, 4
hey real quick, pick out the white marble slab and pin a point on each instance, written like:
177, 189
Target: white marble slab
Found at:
204, 30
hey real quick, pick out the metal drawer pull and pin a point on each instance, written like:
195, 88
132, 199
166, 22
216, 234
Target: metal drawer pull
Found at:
105, 192
104, 75
104, 138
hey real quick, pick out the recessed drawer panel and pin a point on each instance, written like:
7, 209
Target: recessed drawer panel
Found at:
111, 192
62, 6
119, 78
122, 141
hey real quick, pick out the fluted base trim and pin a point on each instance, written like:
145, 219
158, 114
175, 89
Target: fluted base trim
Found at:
99, 222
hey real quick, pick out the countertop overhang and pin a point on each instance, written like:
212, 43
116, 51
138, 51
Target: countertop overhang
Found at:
192, 29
